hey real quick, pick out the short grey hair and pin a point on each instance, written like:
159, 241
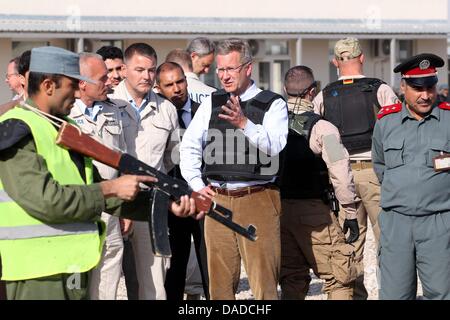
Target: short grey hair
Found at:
235, 45
89, 55
84, 57
201, 46
181, 57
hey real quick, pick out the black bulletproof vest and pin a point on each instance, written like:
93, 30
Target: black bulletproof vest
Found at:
304, 175
352, 108
228, 154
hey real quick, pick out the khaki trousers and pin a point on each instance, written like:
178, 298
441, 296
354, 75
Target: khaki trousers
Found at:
312, 238
104, 279
368, 189
261, 258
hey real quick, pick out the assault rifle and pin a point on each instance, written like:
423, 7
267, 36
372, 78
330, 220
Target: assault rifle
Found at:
164, 190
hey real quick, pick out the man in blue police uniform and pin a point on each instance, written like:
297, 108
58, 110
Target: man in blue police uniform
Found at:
411, 146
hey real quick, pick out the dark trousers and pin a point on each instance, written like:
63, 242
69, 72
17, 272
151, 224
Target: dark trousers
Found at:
180, 231
129, 271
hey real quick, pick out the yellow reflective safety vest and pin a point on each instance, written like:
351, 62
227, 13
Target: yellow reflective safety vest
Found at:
32, 249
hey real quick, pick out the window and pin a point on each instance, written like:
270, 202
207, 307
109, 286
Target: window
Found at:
18, 47
115, 43
405, 50
276, 47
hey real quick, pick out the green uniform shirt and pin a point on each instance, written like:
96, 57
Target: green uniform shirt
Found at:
26, 180
403, 149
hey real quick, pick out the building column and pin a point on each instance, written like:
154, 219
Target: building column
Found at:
6, 54
298, 51
80, 45
393, 60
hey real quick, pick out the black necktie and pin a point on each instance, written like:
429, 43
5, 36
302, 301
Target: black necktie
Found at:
180, 118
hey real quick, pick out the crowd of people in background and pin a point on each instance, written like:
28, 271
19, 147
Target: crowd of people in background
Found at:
308, 170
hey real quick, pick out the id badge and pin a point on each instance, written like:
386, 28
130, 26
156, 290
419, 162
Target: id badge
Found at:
442, 162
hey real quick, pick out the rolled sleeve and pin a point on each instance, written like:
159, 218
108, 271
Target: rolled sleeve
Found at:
350, 210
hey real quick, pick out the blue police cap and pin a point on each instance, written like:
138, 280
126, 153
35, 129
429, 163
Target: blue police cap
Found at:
54, 60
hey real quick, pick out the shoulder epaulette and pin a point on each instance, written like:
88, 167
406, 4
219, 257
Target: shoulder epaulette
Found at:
394, 108
445, 105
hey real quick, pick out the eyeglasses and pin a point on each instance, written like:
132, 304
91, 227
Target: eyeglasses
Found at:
232, 70
302, 94
9, 75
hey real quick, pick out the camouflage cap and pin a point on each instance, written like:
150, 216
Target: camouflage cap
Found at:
350, 46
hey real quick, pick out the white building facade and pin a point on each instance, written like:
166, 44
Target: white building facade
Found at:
282, 33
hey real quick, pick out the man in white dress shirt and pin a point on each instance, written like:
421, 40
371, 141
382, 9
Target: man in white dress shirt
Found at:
239, 176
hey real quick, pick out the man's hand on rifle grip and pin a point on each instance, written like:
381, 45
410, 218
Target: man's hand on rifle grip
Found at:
185, 207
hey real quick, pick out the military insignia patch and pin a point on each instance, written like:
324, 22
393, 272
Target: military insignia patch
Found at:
347, 81
389, 109
424, 64
445, 105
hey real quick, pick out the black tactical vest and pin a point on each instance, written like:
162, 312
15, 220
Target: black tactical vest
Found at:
304, 175
228, 154
352, 108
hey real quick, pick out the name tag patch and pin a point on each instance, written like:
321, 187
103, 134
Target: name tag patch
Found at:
442, 162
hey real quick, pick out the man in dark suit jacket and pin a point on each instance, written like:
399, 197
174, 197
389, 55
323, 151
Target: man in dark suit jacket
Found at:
171, 83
